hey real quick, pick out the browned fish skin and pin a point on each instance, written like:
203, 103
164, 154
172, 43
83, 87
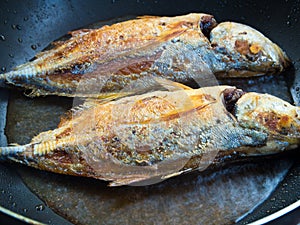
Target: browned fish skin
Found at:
162, 134
182, 48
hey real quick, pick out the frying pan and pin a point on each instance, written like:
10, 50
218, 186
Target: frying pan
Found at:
27, 27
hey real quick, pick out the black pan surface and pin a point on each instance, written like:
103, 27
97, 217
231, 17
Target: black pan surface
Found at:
26, 27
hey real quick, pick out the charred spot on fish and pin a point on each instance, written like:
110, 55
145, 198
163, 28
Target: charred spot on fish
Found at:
277, 123
242, 46
214, 45
230, 97
207, 23
251, 51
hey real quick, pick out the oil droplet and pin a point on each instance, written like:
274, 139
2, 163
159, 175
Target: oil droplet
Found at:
33, 47
18, 27
2, 37
3, 191
5, 21
10, 55
14, 204
40, 207
25, 210
13, 26
25, 18
20, 40
3, 68
288, 23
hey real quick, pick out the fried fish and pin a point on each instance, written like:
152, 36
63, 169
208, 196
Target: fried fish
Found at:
100, 62
146, 138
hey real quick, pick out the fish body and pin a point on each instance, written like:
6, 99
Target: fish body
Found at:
100, 62
146, 138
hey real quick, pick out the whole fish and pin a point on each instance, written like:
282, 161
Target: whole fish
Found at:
100, 62
146, 138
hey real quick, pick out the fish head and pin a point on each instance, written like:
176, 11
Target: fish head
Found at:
274, 116
248, 51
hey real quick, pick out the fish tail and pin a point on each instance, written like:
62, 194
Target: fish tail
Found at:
32, 149
13, 150
23, 72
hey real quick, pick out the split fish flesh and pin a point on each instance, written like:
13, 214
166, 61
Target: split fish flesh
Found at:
193, 47
146, 138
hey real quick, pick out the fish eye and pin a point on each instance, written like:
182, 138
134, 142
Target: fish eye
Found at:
206, 24
230, 96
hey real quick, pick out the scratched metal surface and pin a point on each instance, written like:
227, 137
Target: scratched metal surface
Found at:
214, 197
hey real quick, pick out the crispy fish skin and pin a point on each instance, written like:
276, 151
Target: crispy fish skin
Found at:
181, 48
151, 137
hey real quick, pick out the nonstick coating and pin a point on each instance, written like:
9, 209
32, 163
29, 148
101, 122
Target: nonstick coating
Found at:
26, 27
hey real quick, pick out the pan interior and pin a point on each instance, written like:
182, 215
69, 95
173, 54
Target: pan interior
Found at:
218, 197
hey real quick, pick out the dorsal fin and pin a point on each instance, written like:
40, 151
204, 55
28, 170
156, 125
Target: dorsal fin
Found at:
147, 17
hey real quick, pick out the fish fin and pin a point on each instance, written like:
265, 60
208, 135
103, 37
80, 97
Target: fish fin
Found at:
147, 17
102, 99
141, 180
89, 103
175, 174
171, 85
125, 181
13, 149
76, 33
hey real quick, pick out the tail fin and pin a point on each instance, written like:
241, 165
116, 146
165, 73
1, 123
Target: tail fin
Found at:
23, 71
3, 79
13, 150
30, 150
